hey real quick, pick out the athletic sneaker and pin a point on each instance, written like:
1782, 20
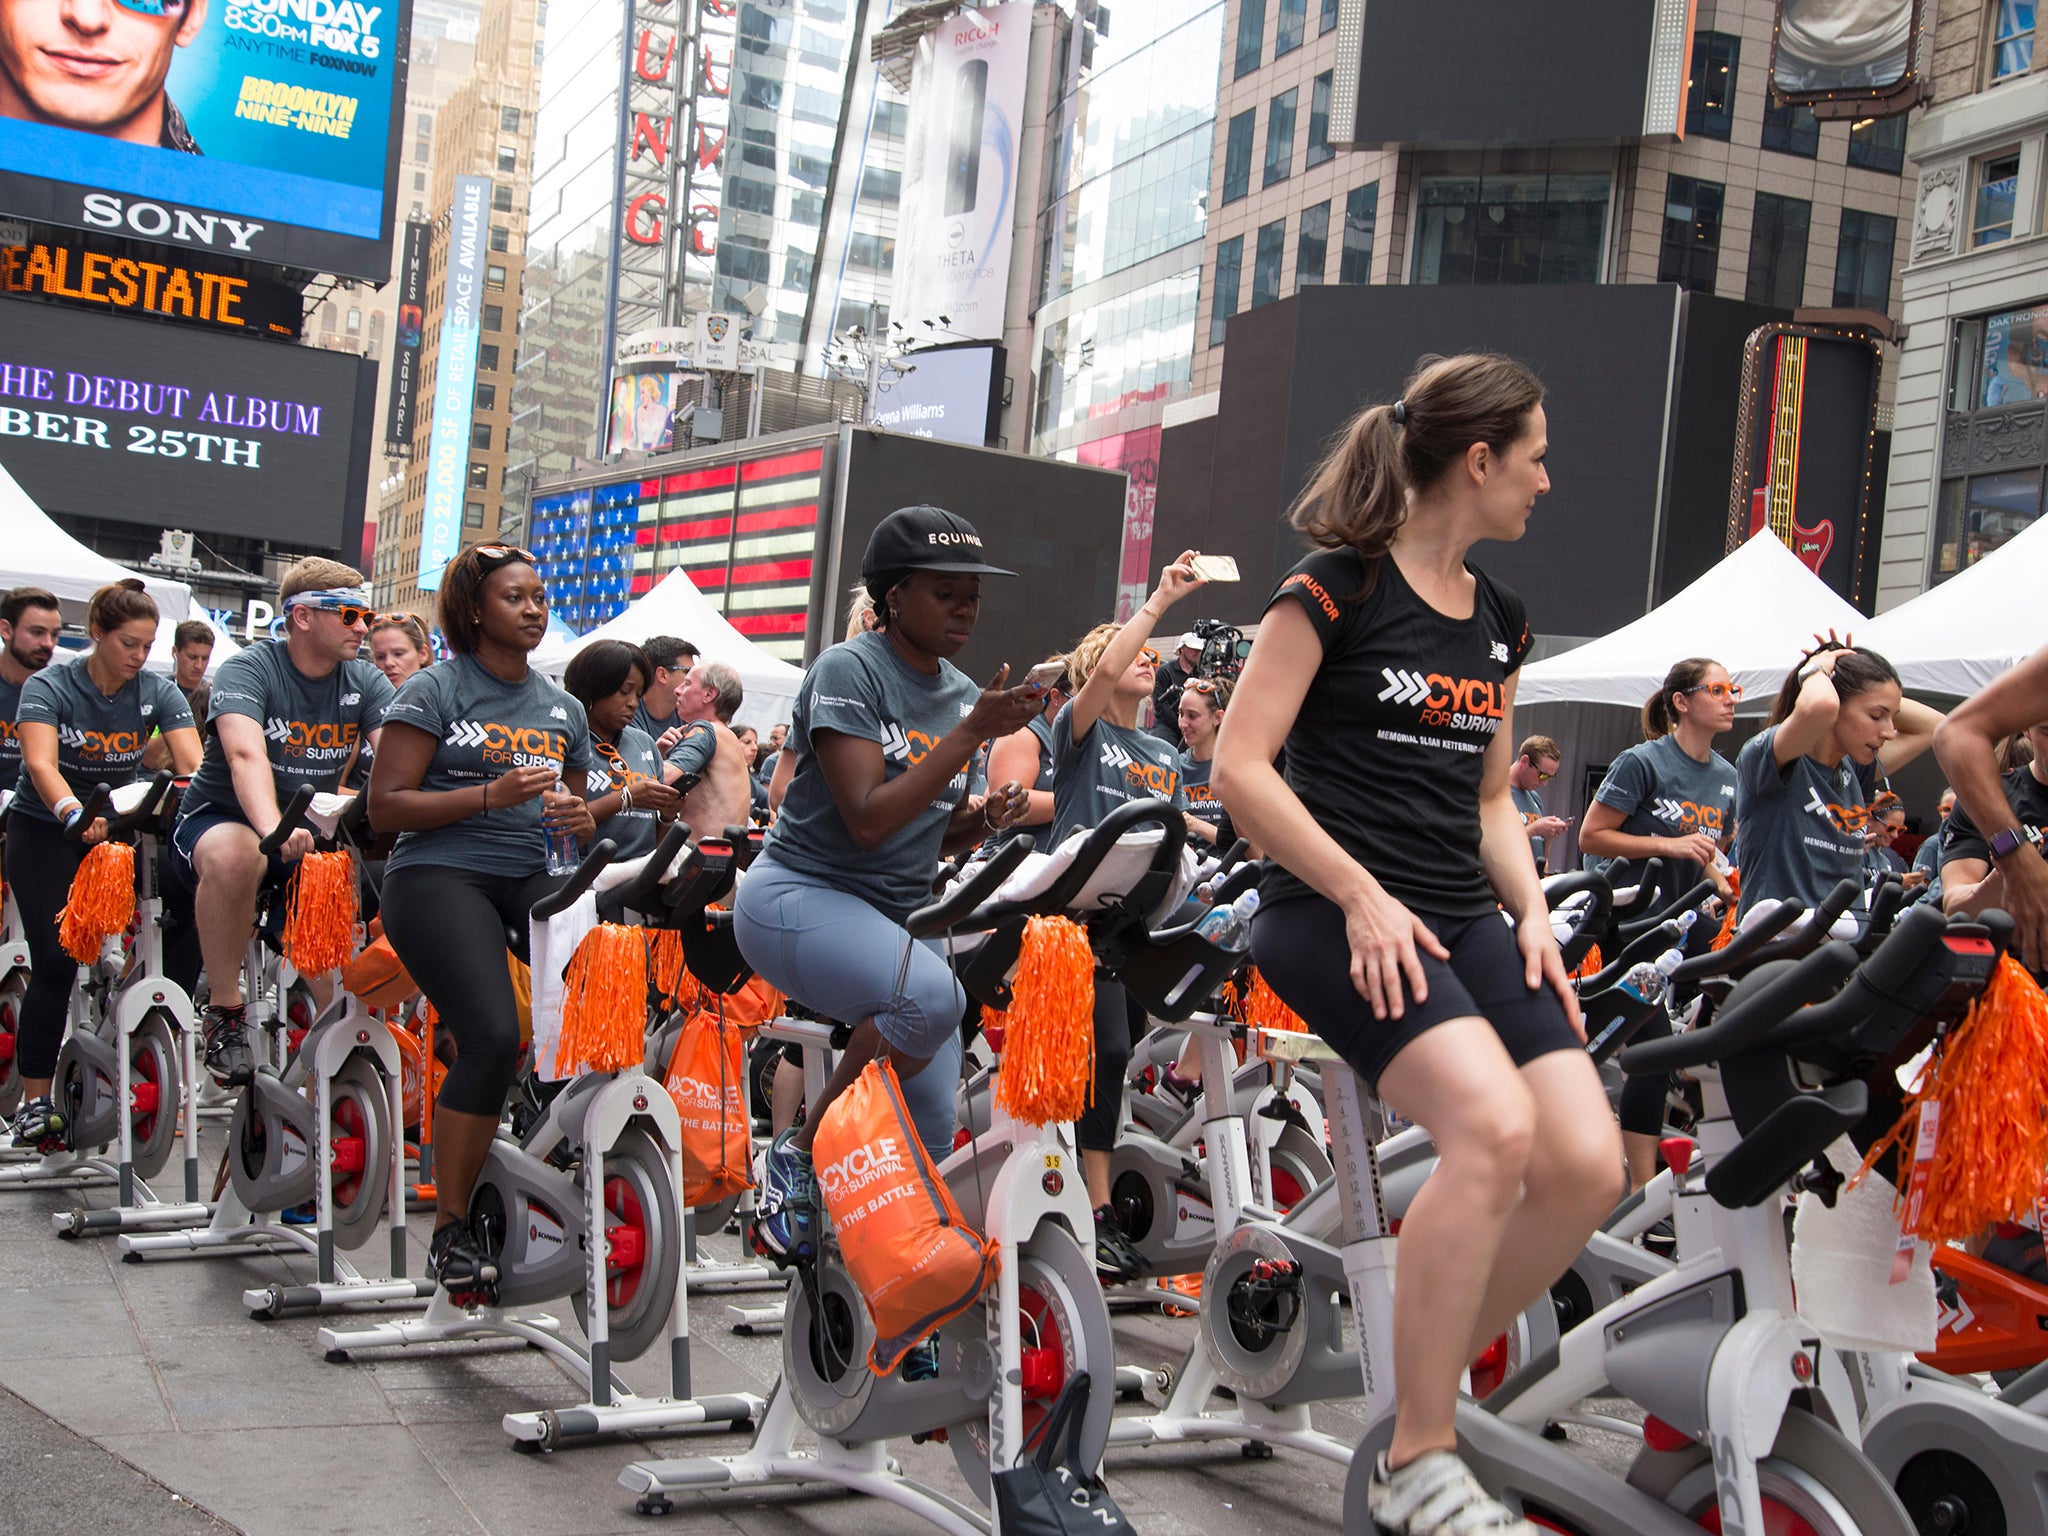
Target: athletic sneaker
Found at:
2013, 1247
921, 1361
459, 1267
228, 1056
1436, 1495
40, 1124
785, 1222
1117, 1260
1185, 1090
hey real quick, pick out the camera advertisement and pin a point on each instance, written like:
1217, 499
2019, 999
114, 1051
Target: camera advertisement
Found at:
253, 128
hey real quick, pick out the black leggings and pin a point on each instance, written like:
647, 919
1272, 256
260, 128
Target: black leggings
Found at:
1643, 1093
1096, 1130
40, 863
450, 928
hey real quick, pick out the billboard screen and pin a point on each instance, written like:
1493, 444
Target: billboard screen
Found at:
950, 393
115, 417
412, 324
643, 411
1854, 54
128, 277
255, 128
960, 171
455, 380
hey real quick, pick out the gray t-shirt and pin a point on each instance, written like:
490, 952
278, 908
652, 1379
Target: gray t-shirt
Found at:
1661, 791
484, 727
651, 727
311, 725
1530, 804
862, 688
10, 738
99, 737
695, 748
1105, 768
1800, 826
631, 758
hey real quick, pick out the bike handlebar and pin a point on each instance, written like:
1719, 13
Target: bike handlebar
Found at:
969, 894
1592, 922
91, 804
1798, 946
292, 818
1739, 950
636, 891
601, 853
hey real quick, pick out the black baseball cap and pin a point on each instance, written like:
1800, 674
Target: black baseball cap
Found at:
926, 539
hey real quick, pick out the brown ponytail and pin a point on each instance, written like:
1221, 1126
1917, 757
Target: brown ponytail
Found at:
1357, 498
1660, 716
117, 603
1858, 671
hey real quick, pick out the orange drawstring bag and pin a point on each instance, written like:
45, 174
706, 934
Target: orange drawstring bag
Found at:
707, 1079
320, 922
101, 903
914, 1258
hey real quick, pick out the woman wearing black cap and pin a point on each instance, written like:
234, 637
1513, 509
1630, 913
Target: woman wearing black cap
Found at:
885, 732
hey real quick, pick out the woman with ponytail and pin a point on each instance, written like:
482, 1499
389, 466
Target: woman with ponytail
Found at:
1804, 784
1397, 847
83, 723
1670, 798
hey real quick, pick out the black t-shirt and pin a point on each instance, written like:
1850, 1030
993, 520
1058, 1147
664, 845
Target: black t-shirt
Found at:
1388, 749
2027, 796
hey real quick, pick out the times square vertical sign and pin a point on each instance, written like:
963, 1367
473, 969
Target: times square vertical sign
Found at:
675, 114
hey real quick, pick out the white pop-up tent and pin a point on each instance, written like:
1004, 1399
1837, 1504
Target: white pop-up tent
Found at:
1958, 636
35, 552
676, 607
1755, 613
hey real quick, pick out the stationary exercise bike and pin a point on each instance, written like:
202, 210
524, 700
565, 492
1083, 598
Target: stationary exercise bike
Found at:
131, 1047
587, 1207
1001, 1364
14, 973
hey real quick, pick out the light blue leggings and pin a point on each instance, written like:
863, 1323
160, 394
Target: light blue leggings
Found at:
845, 959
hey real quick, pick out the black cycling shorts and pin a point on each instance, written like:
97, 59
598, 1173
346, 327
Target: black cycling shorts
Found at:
1300, 948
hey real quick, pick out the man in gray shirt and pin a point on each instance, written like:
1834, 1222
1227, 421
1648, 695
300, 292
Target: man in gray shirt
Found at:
29, 625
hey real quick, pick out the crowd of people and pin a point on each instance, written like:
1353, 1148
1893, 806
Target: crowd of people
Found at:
1395, 831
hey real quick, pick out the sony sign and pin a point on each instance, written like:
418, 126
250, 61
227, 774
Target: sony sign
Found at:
181, 226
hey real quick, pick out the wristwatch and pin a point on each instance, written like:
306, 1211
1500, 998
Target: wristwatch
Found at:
2012, 839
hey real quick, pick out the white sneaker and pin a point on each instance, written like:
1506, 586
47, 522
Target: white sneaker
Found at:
1436, 1495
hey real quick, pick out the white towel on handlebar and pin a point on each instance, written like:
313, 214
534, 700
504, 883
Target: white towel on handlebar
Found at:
1123, 867
551, 945
1846, 926
1841, 1268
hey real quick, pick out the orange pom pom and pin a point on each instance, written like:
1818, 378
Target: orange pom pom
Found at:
1264, 1010
1590, 966
320, 925
1727, 932
101, 903
604, 1004
669, 972
1048, 1072
1990, 1078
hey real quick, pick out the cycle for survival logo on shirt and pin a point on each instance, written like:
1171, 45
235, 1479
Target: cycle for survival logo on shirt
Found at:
498, 748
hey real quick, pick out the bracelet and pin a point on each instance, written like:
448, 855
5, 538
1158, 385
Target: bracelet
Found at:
71, 800
625, 797
72, 817
992, 826
487, 792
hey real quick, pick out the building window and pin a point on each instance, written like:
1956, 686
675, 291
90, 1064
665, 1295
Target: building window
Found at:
1312, 249
423, 123
1863, 260
501, 198
1998, 181
1361, 212
1879, 144
1237, 155
1251, 35
749, 195
1280, 136
419, 181
1266, 262
1524, 227
1229, 267
1777, 250
1692, 234
2012, 39
1710, 93
1982, 514
797, 266
1319, 120
508, 119
487, 357
1328, 22
880, 186
494, 276
355, 321
1292, 28
494, 317
1791, 130
473, 513
480, 434
501, 238
487, 397
508, 159
743, 263
479, 475
875, 252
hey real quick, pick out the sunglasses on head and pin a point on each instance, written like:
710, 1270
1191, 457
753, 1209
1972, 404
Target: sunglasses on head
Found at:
1716, 690
1200, 685
491, 556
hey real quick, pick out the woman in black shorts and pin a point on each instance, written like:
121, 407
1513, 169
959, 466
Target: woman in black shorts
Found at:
1386, 667
469, 750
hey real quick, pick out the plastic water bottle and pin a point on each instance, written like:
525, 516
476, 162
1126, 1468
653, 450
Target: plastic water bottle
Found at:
563, 853
1230, 928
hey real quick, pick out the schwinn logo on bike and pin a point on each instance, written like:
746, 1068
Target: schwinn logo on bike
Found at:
113, 746
509, 746
327, 742
1453, 703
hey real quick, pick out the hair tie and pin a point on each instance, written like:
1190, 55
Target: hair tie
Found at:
1400, 413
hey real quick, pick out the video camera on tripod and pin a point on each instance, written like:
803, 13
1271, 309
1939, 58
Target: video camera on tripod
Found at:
1224, 649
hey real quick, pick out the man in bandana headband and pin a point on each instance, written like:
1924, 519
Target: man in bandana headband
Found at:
97, 66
